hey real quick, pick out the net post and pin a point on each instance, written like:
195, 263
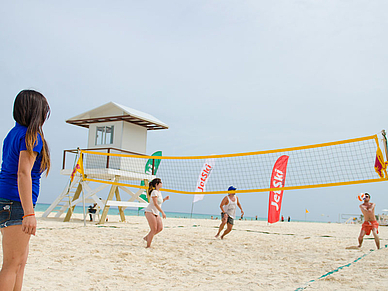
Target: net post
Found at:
63, 159
107, 159
384, 134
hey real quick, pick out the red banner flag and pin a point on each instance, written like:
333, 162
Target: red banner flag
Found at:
78, 168
380, 165
278, 180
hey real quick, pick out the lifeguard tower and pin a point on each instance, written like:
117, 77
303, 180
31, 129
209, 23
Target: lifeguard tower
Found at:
113, 128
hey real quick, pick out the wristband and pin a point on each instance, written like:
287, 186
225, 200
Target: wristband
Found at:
32, 214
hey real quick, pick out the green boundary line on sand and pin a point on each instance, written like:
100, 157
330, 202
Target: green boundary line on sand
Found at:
336, 270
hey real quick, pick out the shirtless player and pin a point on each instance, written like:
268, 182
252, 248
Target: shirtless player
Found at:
370, 223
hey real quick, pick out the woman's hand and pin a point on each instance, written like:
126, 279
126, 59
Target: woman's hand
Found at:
164, 215
29, 225
166, 198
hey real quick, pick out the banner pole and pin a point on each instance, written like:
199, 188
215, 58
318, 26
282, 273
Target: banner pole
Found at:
82, 187
192, 206
83, 202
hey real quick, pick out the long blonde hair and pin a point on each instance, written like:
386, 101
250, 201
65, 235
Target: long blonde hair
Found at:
152, 186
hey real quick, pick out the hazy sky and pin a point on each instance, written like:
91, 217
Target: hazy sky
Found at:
226, 76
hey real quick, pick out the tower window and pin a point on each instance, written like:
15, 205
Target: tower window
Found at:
104, 135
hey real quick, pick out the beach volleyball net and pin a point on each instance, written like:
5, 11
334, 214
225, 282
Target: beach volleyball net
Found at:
338, 163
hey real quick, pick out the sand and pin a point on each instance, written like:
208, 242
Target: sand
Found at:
186, 256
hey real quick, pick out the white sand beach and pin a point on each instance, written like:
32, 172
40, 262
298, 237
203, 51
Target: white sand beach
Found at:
186, 256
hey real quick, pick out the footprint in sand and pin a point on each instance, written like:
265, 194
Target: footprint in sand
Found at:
353, 248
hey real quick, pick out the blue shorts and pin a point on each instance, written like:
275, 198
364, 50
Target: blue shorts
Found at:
11, 213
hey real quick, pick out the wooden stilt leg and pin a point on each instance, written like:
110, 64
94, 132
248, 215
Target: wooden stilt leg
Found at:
106, 207
71, 208
121, 209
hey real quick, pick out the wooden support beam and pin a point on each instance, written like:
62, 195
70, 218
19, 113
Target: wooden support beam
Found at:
110, 196
121, 209
146, 183
75, 197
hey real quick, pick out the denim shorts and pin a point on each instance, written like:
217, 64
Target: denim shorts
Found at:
11, 213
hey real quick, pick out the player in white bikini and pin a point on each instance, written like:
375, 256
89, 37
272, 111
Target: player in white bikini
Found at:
155, 200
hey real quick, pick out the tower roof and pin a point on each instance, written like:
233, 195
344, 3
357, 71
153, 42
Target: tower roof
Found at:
113, 111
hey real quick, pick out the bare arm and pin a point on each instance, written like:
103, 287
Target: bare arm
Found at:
26, 162
368, 208
239, 206
223, 203
363, 208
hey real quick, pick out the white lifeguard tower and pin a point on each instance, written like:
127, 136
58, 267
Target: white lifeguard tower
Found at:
113, 128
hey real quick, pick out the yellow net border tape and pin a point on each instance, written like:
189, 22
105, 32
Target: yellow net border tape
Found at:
242, 154
237, 154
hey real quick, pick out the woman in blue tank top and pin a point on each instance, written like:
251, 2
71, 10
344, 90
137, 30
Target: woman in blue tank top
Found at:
25, 157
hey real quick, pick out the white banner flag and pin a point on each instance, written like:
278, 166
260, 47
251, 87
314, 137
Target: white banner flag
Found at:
203, 178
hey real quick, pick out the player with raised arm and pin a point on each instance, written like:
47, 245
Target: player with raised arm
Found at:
370, 222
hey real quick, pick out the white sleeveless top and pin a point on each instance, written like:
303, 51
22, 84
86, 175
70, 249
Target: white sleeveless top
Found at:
151, 206
230, 208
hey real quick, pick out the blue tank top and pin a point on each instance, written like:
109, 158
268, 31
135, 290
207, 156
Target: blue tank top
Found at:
13, 144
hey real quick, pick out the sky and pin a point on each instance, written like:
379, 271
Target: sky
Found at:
226, 76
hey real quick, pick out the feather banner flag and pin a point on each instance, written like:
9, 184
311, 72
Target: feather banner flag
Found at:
278, 180
151, 163
203, 178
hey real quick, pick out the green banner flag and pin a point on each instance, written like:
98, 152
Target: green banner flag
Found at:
148, 170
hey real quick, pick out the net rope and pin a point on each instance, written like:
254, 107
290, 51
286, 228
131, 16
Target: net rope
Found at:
329, 164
